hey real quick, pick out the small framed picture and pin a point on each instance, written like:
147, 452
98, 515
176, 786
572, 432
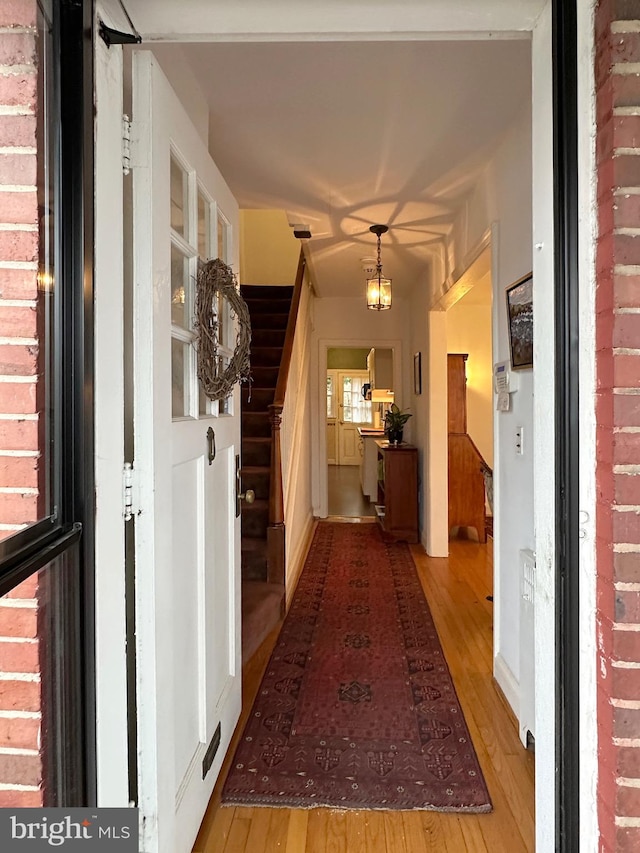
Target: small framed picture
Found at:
520, 319
417, 373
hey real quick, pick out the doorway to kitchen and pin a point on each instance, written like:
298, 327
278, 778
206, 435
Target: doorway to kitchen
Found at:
354, 421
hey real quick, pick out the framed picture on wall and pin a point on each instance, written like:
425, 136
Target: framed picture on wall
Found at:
520, 319
417, 373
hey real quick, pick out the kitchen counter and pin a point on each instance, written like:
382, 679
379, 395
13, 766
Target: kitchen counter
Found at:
368, 465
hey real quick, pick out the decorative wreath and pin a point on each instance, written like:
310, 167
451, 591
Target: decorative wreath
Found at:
215, 279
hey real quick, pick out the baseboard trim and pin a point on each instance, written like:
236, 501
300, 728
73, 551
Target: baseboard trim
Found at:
296, 562
508, 684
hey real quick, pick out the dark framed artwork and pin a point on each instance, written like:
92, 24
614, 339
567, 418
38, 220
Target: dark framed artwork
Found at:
417, 373
520, 319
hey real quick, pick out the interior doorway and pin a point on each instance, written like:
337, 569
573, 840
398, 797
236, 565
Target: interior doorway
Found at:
355, 376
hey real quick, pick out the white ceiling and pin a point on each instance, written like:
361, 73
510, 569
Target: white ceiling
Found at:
345, 134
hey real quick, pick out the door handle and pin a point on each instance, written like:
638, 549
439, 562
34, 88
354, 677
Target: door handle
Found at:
211, 443
249, 496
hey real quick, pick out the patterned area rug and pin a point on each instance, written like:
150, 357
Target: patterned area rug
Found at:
357, 708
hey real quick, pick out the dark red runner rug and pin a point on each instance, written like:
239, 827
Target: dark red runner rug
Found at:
357, 708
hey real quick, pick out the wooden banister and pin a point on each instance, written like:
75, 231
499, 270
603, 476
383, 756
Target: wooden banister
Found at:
275, 531
466, 484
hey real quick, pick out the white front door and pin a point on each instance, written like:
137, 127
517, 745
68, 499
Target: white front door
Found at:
187, 533
354, 411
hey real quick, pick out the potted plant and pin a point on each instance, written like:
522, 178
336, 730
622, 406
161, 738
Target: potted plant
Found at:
394, 421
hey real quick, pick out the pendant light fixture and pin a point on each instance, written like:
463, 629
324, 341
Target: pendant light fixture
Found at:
378, 287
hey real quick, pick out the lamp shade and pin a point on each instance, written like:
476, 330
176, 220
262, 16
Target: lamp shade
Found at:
381, 395
378, 293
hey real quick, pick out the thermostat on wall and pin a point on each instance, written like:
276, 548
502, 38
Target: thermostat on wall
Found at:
504, 381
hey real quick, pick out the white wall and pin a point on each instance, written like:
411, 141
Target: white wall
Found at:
296, 446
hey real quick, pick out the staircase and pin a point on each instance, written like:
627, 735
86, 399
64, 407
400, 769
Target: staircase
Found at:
262, 601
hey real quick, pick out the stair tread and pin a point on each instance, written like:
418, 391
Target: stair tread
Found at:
255, 469
261, 439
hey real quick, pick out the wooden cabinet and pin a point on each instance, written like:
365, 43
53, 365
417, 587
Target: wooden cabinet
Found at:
397, 507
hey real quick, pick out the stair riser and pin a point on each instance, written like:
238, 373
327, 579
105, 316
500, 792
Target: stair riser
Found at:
264, 377
259, 483
269, 321
267, 337
261, 399
255, 425
254, 567
254, 523
256, 454
266, 356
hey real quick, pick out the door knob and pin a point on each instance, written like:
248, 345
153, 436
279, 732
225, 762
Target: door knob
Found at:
249, 496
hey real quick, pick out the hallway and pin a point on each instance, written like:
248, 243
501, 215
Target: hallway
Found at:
457, 590
345, 495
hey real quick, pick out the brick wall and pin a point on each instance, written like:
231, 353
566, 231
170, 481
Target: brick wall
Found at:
617, 74
20, 689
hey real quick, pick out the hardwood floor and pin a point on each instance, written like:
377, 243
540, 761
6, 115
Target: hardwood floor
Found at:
345, 495
456, 589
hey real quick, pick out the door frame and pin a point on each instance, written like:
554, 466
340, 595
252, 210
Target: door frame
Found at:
550, 797
319, 464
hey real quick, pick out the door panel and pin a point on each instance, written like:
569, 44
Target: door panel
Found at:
187, 535
354, 411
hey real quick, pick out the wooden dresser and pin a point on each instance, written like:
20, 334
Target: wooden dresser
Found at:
397, 507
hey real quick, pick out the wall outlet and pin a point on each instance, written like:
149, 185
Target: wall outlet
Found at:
520, 441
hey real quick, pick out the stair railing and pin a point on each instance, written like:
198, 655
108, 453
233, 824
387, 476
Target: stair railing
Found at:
470, 483
276, 528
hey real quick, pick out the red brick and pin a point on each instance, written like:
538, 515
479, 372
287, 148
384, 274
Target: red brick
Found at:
626, 409
627, 568
605, 370
18, 245
18, 13
625, 683
606, 601
18, 284
604, 141
20, 799
628, 802
19, 696
626, 528
604, 332
604, 101
626, 91
21, 769
19, 472
19, 322
626, 371
18, 169
626, 723
27, 589
18, 90
18, 622
18, 509
19, 435
18, 398
19, 657
17, 131
627, 839
19, 360
626, 645
626, 131
18, 49
604, 533
626, 211
627, 762
626, 448
627, 489
626, 248
20, 208
19, 733
626, 291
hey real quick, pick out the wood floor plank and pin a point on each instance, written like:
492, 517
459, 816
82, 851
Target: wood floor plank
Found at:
456, 589
297, 831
